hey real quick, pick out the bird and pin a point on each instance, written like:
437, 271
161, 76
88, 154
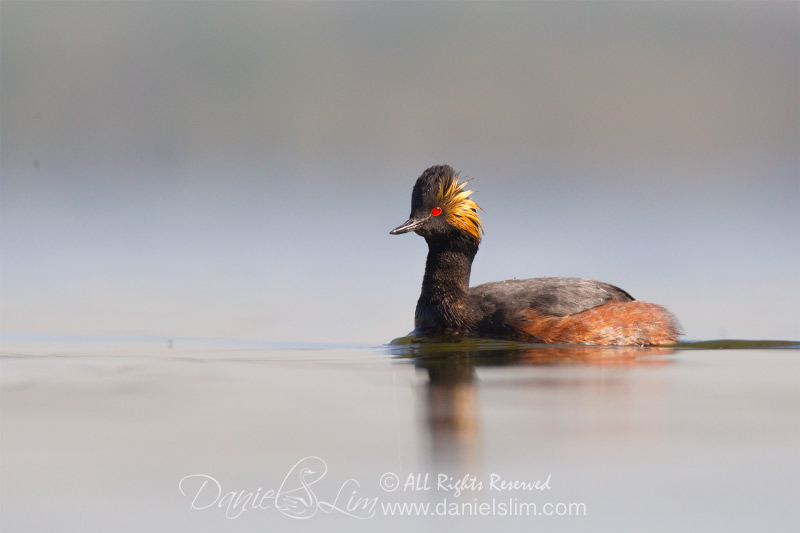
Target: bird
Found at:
298, 506
550, 310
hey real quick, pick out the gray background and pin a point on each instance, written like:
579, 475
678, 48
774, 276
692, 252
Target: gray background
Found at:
231, 170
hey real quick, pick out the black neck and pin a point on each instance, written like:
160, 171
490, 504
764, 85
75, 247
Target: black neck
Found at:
442, 308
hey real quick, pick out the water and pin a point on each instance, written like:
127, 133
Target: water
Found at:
121, 435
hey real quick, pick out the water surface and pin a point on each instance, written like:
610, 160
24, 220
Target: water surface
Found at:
105, 435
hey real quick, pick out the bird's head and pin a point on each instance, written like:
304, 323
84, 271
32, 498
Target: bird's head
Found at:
440, 205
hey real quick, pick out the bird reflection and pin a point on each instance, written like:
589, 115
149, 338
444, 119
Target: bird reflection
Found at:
449, 410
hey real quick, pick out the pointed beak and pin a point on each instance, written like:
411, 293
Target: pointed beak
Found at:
409, 225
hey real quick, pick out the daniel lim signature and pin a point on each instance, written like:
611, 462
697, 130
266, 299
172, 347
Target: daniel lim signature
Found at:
296, 497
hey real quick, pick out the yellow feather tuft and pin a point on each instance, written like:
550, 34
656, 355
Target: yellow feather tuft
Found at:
460, 210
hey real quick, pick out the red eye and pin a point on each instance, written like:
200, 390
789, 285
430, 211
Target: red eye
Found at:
436, 211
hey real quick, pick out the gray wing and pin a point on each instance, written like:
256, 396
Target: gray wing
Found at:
501, 301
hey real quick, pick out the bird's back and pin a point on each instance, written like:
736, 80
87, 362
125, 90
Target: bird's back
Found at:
568, 311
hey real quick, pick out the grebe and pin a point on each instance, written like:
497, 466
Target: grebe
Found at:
538, 310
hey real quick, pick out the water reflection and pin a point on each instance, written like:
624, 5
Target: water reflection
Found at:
449, 410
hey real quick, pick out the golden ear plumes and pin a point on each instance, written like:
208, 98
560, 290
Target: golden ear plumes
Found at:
459, 209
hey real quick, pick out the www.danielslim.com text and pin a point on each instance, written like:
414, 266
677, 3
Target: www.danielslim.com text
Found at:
494, 507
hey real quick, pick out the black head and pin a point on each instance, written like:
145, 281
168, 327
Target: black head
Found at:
441, 206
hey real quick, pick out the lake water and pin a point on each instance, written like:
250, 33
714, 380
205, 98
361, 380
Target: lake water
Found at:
135, 435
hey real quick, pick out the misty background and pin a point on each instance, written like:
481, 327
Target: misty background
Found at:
231, 170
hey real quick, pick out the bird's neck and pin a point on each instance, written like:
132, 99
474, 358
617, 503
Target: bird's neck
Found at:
442, 308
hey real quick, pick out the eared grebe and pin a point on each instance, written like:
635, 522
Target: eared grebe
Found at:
540, 310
